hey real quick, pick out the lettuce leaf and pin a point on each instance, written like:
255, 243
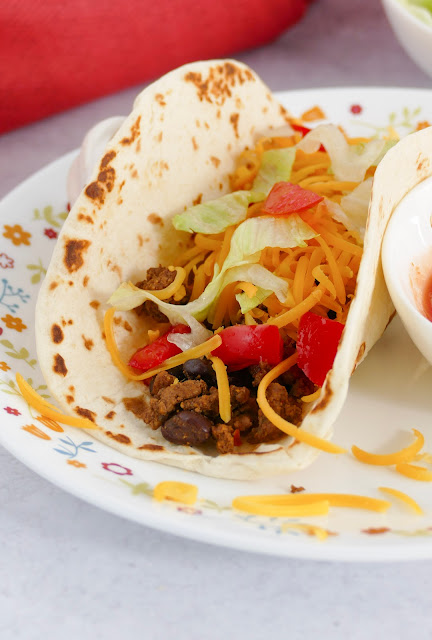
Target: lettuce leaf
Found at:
246, 303
348, 162
353, 209
276, 166
217, 215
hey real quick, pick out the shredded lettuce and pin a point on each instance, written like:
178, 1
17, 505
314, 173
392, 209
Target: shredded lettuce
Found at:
127, 296
421, 9
348, 162
247, 304
276, 166
217, 215
353, 209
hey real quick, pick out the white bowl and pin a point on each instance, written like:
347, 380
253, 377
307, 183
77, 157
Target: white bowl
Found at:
414, 35
407, 262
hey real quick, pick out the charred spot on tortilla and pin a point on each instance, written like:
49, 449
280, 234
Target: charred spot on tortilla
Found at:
255, 453
110, 415
198, 199
108, 399
85, 281
94, 304
73, 254
152, 447
194, 143
83, 218
215, 161
234, 118
94, 191
154, 218
136, 405
127, 326
88, 343
422, 163
134, 133
120, 437
53, 285
216, 87
59, 365
69, 399
110, 155
85, 413
56, 334
159, 97
107, 177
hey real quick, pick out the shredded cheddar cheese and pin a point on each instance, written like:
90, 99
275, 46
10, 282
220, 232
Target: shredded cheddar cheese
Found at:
49, 410
176, 491
287, 427
410, 502
312, 397
414, 472
273, 505
223, 388
404, 455
261, 508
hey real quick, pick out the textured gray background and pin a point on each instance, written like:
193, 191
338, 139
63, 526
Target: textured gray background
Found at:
69, 570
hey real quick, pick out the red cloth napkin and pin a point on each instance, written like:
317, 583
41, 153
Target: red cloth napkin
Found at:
55, 55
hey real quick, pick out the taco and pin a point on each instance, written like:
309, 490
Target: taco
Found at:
243, 281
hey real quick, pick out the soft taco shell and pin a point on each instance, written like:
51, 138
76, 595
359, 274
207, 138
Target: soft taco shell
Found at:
179, 145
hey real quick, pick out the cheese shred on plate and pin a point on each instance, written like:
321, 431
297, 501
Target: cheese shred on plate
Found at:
176, 491
404, 455
403, 497
414, 472
286, 504
48, 410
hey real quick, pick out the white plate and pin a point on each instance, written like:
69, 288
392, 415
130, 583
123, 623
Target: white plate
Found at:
389, 394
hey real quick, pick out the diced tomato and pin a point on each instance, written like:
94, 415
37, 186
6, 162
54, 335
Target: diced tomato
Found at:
244, 345
285, 198
237, 438
300, 128
317, 343
158, 351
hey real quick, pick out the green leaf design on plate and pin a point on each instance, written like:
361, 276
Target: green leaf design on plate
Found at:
22, 354
39, 270
54, 219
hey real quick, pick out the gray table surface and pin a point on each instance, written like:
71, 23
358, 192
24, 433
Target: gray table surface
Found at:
70, 570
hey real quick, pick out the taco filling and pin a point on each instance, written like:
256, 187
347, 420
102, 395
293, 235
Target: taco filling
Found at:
241, 329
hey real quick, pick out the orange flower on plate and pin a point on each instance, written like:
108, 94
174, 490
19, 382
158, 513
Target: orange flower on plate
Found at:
14, 323
17, 234
4, 366
76, 463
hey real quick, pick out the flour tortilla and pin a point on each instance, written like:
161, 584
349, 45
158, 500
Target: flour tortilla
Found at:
179, 144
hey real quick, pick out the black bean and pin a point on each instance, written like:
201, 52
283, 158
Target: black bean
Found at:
177, 372
187, 427
331, 314
200, 369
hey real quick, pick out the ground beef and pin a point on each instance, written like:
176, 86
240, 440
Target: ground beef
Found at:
285, 405
258, 371
297, 383
168, 399
222, 433
160, 381
207, 404
157, 278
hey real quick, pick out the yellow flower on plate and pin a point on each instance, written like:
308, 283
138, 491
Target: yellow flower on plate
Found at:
17, 234
76, 463
14, 323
